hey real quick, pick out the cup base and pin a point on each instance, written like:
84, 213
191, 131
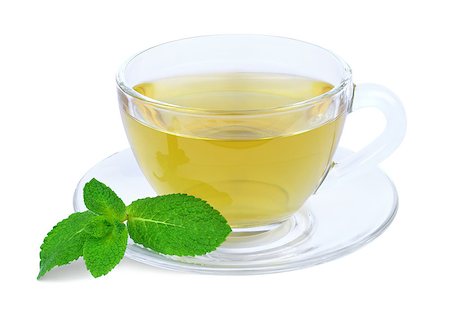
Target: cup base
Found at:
335, 221
251, 240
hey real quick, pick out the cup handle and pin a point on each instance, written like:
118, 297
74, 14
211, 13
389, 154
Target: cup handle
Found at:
372, 95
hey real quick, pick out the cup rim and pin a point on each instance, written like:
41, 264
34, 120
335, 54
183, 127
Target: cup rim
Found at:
127, 90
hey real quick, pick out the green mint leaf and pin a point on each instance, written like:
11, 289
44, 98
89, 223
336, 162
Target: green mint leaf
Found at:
100, 199
99, 227
64, 243
176, 224
102, 254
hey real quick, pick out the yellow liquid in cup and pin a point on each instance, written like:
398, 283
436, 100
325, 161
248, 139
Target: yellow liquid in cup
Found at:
254, 174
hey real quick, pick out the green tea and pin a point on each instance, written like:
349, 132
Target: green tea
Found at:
255, 170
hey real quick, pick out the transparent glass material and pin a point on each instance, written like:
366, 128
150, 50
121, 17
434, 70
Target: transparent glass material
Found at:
290, 206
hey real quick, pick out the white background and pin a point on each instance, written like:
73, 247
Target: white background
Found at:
59, 116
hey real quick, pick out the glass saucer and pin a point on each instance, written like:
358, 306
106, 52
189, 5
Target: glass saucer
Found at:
335, 221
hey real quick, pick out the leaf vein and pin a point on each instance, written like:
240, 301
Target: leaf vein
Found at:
154, 221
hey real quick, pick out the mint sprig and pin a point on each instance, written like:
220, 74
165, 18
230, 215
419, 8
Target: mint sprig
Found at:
174, 224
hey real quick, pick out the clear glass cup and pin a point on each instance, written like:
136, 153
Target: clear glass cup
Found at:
257, 166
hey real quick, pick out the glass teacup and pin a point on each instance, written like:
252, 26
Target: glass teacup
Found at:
249, 123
